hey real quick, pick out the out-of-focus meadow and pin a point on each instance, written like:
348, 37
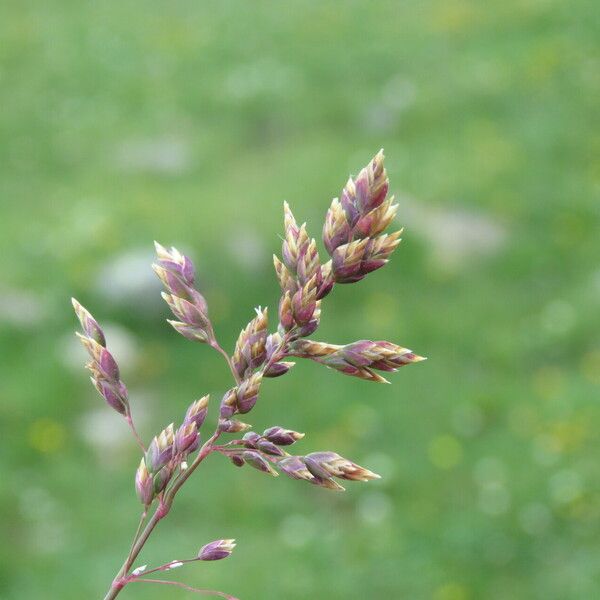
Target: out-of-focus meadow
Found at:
190, 123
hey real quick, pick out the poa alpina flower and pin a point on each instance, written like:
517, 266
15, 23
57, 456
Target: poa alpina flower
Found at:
330, 464
216, 550
161, 449
357, 359
187, 438
103, 366
197, 411
250, 348
144, 486
281, 436
354, 238
176, 271
258, 461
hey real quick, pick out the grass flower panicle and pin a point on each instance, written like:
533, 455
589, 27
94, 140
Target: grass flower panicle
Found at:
354, 238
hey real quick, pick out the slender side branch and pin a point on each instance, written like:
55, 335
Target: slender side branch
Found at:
186, 587
129, 419
227, 358
138, 531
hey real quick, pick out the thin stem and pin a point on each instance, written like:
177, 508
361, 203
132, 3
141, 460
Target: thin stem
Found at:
119, 582
129, 420
226, 356
186, 587
137, 531
165, 567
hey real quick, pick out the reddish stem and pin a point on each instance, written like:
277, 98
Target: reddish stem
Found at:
186, 587
129, 420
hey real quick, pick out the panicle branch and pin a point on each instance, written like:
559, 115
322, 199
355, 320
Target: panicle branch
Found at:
354, 222
103, 367
177, 274
358, 359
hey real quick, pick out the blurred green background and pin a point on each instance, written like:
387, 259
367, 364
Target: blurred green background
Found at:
190, 122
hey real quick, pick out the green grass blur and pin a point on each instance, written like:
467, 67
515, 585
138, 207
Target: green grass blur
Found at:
190, 122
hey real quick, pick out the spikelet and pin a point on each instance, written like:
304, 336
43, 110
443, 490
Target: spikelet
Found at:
250, 351
102, 366
176, 272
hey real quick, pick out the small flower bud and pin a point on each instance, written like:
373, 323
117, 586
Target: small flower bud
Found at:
256, 460
187, 438
250, 350
296, 240
286, 315
309, 265
250, 439
237, 460
115, 394
330, 464
346, 261
172, 281
144, 485
88, 323
161, 479
247, 393
295, 468
336, 230
176, 263
216, 550
186, 303
232, 426
278, 369
281, 436
287, 282
304, 303
229, 404
160, 450
103, 367
272, 344
191, 332
187, 312
103, 360
327, 281
269, 448
196, 413
359, 358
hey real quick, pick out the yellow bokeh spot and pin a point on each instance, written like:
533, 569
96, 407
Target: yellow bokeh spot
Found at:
590, 366
451, 591
445, 452
453, 16
46, 435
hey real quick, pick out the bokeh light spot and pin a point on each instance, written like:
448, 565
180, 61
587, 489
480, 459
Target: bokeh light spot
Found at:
47, 436
451, 591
